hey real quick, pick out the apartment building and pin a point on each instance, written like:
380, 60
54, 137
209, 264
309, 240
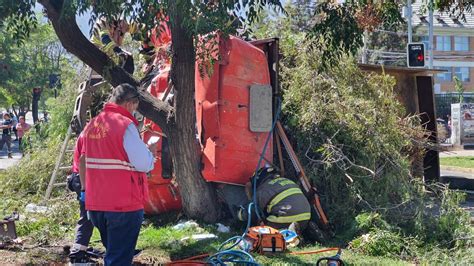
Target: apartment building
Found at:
453, 47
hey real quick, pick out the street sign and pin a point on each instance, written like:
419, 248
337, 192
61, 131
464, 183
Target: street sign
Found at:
416, 55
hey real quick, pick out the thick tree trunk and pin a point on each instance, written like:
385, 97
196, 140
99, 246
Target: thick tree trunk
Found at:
74, 42
199, 198
34, 107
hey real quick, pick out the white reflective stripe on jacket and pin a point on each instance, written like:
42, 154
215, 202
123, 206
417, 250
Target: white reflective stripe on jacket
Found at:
109, 164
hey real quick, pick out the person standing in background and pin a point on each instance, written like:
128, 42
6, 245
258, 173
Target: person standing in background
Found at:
6, 128
15, 122
22, 127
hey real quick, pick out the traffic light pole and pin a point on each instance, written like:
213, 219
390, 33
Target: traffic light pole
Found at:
430, 32
409, 15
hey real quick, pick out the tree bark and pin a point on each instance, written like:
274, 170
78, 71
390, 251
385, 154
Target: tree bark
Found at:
199, 198
74, 42
34, 107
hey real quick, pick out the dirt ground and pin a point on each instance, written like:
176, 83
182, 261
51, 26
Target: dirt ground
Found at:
24, 255
57, 255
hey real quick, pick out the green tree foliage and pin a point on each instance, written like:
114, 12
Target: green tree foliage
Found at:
458, 86
26, 182
352, 19
359, 148
28, 64
200, 17
457, 8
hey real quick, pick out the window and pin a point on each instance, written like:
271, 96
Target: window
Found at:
444, 76
462, 73
443, 43
461, 43
426, 41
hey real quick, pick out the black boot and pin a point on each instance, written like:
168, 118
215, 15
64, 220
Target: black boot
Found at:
80, 256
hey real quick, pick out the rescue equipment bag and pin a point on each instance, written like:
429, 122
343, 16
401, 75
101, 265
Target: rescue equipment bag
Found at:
265, 240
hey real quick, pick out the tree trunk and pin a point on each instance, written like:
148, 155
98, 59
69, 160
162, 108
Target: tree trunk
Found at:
34, 106
199, 198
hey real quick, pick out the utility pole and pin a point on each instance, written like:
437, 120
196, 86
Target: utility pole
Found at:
364, 49
430, 30
409, 14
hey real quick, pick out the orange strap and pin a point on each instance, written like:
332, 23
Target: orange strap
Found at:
320, 210
190, 260
313, 251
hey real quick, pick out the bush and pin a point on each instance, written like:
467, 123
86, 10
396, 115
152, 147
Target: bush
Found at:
351, 134
361, 152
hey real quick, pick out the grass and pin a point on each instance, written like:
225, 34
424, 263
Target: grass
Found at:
164, 244
463, 162
161, 244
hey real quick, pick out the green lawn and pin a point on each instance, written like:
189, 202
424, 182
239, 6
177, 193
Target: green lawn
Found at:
162, 244
463, 162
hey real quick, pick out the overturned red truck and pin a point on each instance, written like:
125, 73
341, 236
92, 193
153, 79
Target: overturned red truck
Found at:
234, 113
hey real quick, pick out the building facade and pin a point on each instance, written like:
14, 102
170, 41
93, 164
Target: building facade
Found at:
453, 47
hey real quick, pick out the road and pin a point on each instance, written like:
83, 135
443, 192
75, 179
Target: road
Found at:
6, 162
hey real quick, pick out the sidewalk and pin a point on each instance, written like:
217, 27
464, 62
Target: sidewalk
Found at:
6, 162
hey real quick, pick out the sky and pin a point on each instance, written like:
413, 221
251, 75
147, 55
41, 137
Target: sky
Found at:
82, 21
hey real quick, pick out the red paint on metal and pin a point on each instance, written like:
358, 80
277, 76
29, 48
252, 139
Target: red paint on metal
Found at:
163, 193
163, 198
230, 151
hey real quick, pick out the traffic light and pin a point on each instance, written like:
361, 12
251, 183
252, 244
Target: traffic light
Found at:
416, 55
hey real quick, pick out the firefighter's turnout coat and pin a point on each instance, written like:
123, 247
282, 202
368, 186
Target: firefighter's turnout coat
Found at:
282, 201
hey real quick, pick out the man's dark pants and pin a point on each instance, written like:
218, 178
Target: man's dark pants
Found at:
119, 233
84, 226
6, 139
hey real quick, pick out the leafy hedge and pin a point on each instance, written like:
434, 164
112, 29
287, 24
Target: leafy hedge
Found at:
362, 151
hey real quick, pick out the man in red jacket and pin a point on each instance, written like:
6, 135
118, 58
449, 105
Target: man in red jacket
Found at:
115, 161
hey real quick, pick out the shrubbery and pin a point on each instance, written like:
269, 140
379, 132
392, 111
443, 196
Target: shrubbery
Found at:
359, 148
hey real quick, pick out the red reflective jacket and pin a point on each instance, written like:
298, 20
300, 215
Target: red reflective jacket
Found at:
112, 184
77, 154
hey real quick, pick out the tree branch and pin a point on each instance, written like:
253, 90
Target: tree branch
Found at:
76, 43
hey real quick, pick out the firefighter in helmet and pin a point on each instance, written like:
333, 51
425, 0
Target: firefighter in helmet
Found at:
280, 201
108, 36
